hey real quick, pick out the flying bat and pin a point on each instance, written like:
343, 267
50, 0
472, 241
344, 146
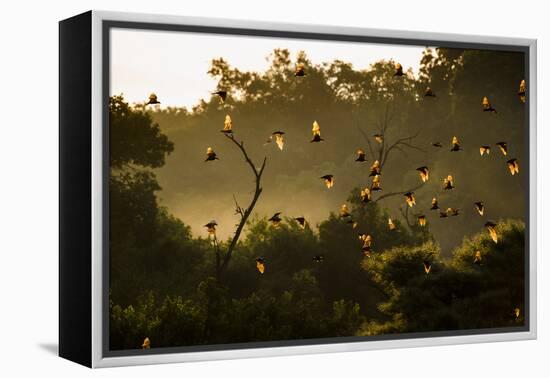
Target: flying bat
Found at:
427, 266
477, 258
484, 150
517, 312
221, 94
429, 92
503, 147
146, 344
479, 207
491, 228
211, 227
211, 155
409, 197
424, 173
361, 156
522, 92
486, 105
344, 212
329, 180
448, 183
260, 265
422, 220
443, 214
398, 70
391, 225
455, 144
279, 139
375, 168
153, 100
379, 138
366, 195
453, 212
300, 70
316, 130
376, 184
513, 166
275, 219
301, 222
318, 258
435, 204
352, 223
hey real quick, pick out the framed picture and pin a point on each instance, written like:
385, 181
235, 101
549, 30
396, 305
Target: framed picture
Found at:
234, 189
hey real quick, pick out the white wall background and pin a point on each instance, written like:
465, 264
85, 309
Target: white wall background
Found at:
28, 186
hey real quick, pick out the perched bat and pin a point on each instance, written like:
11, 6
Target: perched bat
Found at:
227, 125
379, 138
391, 225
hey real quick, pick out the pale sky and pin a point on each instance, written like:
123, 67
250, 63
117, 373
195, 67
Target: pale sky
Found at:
174, 65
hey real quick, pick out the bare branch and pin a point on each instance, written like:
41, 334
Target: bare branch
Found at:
392, 194
405, 214
247, 211
364, 134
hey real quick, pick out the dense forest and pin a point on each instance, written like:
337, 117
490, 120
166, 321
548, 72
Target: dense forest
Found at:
178, 283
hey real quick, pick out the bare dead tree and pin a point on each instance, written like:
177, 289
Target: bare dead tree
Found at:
244, 213
385, 148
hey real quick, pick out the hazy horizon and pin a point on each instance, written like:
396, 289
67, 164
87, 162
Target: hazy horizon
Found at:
180, 79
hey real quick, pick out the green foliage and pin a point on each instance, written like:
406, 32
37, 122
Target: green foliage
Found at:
457, 294
134, 139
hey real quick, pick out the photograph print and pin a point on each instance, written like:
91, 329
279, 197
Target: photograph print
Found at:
268, 191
